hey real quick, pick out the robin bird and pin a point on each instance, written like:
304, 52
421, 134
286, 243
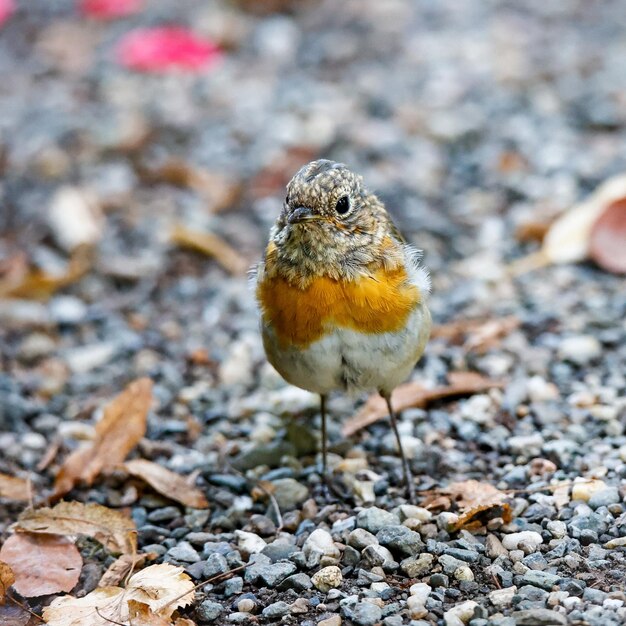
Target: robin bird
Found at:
343, 297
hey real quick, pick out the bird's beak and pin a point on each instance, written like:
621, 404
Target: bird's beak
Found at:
303, 214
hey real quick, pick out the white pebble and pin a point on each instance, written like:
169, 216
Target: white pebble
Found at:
327, 578
460, 614
528, 537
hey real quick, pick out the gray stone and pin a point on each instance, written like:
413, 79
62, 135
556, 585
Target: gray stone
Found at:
417, 566
379, 555
276, 610
375, 519
605, 497
539, 617
299, 582
184, 552
541, 579
279, 550
289, 493
365, 614
450, 564
400, 539
209, 611
233, 586
271, 574
360, 538
215, 564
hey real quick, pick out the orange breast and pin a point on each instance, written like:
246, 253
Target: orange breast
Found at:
375, 304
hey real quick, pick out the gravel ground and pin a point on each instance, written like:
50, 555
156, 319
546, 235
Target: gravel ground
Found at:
472, 119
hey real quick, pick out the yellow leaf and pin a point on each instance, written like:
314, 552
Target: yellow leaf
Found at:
158, 586
7, 578
117, 433
112, 529
167, 483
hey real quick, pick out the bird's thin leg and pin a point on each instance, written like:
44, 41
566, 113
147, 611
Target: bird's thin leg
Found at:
324, 440
406, 470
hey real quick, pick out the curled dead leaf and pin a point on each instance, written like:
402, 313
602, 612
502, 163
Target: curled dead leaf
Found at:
162, 588
112, 529
412, 395
122, 426
568, 239
13, 488
167, 483
42, 564
122, 567
607, 244
7, 578
38, 284
475, 501
211, 245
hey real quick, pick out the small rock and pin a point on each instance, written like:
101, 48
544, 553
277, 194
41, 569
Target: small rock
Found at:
539, 617
276, 610
420, 591
580, 349
319, 544
83, 359
460, 614
366, 614
557, 529
605, 497
374, 519
249, 543
528, 537
233, 586
415, 567
416, 608
494, 547
209, 611
379, 555
400, 539
183, 552
215, 564
501, 598
541, 579
289, 493
585, 489
333, 620
360, 538
327, 578
299, 582
463, 573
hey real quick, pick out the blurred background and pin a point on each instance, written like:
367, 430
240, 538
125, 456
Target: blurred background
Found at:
144, 150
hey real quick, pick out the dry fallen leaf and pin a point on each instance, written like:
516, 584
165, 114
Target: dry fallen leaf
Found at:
13, 488
42, 564
7, 578
607, 245
167, 483
122, 425
13, 615
568, 238
111, 528
412, 395
121, 567
157, 586
141, 615
211, 245
477, 502
38, 284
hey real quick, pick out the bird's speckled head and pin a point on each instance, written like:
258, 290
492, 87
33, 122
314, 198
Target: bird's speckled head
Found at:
330, 225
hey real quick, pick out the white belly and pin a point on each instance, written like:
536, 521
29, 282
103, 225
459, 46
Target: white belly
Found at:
352, 361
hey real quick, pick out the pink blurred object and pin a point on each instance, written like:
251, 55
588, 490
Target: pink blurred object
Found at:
166, 48
7, 8
109, 9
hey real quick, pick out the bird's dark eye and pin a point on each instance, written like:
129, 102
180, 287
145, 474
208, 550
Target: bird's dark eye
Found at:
287, 199
343, 205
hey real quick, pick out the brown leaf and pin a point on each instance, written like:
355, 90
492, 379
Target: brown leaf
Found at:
167, 483
13, 615
37, 284
141, 615
476, 502
607, 244
412, 395
7, 578
121, 567
211, 245
13, 488
476, 335
163, 588
569, 237
42, 564
112, 529
122, 425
